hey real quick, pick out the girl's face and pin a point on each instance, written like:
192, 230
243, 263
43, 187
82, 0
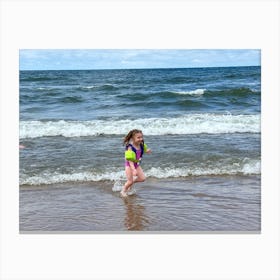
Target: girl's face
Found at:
138, 138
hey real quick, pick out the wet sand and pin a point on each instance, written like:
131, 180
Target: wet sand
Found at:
194, 204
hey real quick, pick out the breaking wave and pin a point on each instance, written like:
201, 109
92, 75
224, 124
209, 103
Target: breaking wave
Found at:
245, 167
187, 124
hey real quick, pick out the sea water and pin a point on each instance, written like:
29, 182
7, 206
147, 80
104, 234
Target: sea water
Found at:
202, 124
201, 121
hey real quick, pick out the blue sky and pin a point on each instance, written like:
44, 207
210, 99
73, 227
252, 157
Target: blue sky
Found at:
76, 59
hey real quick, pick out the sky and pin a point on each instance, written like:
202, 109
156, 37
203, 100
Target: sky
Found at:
77, 59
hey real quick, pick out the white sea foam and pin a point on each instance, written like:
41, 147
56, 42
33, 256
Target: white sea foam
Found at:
96, 86
187, 124
89, 87
246, 167
118, 186
192, 92
249, 168
54, 178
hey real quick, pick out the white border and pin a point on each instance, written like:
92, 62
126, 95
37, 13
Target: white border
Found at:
135, 24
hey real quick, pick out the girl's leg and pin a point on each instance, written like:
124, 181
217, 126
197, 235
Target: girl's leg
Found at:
129, 177
140, 175
130, 181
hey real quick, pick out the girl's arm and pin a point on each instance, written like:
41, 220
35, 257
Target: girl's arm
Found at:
131, 164
149, 151
146, 149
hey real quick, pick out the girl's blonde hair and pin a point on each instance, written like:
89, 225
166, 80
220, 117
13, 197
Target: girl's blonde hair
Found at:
130, 134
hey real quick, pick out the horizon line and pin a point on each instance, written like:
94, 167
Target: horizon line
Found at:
149, 68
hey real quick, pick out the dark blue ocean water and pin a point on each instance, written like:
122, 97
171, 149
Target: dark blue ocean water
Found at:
133, 94
198, 121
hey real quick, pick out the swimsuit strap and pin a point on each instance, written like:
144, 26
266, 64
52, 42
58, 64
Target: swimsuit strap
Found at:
134, 149
142, 149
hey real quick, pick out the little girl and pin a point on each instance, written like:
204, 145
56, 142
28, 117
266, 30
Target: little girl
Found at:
135, 148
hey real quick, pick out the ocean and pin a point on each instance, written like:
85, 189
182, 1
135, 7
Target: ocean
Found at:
202, 124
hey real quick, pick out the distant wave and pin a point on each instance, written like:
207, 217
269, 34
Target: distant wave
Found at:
107, 87
52, 95
237, 92
227, 92
46, 88
187, 124
191, 92
249, 167
70, 87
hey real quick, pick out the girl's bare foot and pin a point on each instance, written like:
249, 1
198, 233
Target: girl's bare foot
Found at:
123, 193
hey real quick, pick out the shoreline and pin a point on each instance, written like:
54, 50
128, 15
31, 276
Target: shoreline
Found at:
206, 204
148, 180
